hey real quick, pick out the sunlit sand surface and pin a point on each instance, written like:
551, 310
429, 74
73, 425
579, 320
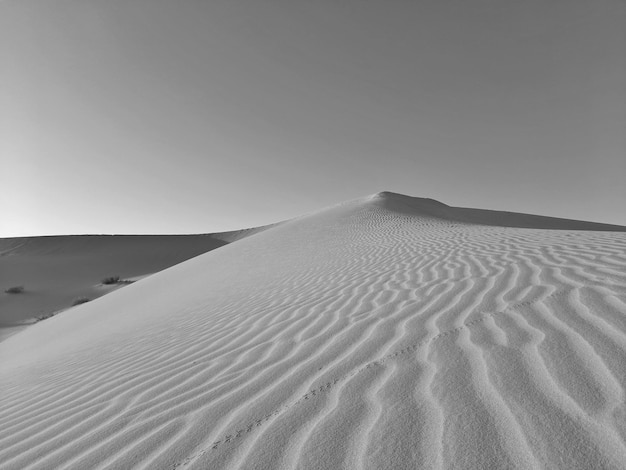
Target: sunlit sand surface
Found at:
383, 333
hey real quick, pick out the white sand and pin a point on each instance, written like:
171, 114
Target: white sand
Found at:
384, 333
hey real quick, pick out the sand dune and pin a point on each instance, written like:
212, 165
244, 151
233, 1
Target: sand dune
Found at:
56, 270
382, 333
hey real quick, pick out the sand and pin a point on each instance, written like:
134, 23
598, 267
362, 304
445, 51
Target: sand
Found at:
383, 333
56, 270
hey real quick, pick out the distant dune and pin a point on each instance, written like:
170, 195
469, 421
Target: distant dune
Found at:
56, 270
388, 332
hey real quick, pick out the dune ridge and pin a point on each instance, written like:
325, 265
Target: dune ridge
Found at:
385, 332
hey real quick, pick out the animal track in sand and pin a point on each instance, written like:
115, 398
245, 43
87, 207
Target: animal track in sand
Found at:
233, 436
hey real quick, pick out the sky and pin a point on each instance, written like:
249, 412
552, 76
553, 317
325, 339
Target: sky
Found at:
196, 116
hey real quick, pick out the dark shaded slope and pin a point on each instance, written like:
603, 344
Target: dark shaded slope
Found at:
56, 270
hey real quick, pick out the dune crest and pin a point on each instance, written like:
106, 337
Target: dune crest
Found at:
385, 332
431, 207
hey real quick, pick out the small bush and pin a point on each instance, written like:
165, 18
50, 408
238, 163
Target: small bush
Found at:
43, 317
111, 280
15, 290
80, 300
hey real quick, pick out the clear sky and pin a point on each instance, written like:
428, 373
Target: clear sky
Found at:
187, 116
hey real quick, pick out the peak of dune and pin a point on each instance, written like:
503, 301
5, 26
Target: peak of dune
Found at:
415, 202
397, 196
371, 334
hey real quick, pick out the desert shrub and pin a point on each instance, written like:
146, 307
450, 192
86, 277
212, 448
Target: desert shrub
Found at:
80, 300
111, 280
15, 290
43, 317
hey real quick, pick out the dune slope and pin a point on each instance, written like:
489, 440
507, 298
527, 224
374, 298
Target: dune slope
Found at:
383, 333
55, 270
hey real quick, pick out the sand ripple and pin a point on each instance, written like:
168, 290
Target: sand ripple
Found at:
357, 337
